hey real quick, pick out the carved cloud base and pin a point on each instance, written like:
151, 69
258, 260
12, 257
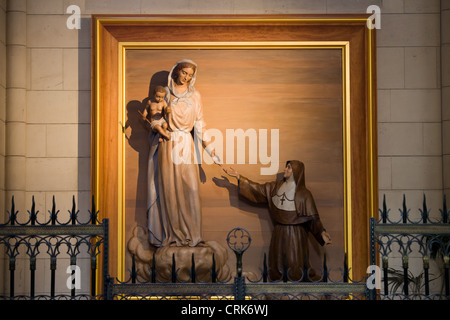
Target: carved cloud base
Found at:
139, 246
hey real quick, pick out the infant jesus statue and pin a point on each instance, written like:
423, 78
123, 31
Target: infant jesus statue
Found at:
157, 106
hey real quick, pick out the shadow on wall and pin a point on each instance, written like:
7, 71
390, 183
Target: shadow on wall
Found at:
138, 135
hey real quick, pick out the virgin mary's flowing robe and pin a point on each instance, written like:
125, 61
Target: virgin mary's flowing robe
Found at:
289, 243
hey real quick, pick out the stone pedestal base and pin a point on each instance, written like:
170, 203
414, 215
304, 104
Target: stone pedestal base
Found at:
202, 256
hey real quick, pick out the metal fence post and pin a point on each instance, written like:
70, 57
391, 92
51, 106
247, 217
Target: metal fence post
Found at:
239, 288
239, 240
372, 293
12, 268
106, 280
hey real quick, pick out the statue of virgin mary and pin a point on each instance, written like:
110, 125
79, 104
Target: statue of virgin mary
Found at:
173, 206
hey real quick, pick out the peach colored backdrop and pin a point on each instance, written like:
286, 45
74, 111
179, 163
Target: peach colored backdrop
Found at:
298, 91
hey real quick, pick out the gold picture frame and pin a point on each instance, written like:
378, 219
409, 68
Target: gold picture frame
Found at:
113, 35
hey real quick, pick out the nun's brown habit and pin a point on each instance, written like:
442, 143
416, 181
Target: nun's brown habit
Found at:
291, 228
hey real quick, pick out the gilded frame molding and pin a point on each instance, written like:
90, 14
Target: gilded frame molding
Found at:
102, 46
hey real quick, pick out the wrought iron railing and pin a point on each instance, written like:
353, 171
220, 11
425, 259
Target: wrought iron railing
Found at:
403, 239
38, 237
238, 287
406, 240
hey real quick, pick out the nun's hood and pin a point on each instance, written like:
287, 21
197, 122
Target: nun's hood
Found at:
298, 170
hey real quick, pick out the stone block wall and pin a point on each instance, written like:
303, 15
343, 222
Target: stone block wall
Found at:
45, 94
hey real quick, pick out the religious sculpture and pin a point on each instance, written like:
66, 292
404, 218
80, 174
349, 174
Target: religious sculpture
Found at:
294, 214
173, 197
157, 107
174, 210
